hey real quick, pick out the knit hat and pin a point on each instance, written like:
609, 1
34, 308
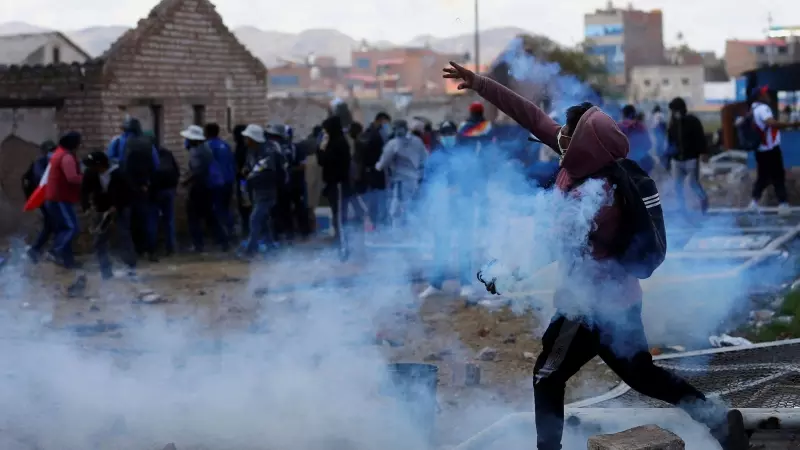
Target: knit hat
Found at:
476, 108
70, 141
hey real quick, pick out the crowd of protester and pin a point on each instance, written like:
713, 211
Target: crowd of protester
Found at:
251, 194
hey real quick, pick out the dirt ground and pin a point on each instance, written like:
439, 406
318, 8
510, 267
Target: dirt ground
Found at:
225, 295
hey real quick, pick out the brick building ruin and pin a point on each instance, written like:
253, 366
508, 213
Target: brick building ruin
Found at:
180, 65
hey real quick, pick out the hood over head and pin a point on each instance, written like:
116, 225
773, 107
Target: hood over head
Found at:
333, 126
596, 142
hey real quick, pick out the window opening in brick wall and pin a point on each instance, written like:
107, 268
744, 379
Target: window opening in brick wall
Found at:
157, 113
56, 55
199, 114
229, 119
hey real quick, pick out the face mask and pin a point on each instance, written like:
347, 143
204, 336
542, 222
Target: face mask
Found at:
385, 130
448, 141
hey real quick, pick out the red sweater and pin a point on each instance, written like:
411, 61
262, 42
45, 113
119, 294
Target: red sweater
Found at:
64, 179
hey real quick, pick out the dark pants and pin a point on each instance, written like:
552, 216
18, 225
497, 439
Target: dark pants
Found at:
260, 226
455, 231
164, 216
291, 212
143, 224
620, 341
224, 206
200, 209
243, 199
376, 197
339, 196
65, 223
44, 234
127, 252
769, 170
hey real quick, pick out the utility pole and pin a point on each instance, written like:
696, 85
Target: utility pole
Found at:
477, 40
770, 48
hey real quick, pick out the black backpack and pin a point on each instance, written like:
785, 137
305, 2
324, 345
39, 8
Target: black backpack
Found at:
747, 133
642, 244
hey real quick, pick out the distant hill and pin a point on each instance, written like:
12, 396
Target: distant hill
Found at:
272, 46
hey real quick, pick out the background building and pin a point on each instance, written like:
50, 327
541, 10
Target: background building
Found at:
660, 84
625, 38
414, 71
40, 49
781, 46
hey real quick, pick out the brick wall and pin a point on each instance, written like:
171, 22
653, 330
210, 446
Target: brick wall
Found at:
180, 56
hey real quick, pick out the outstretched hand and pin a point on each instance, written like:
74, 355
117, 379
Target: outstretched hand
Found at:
457, 72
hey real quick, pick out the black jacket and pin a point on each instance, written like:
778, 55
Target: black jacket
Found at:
335, 158
139, 164
686, 138
118, 194
369, 147
168, 174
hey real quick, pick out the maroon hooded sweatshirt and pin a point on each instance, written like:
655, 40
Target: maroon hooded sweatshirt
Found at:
596, 142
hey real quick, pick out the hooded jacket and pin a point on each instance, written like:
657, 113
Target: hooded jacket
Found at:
335, 158
405, 157
596, 142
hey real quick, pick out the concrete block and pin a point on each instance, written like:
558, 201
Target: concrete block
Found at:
647, 437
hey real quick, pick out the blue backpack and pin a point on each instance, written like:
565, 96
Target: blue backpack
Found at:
748, 133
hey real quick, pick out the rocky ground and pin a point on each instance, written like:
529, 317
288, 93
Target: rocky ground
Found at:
222, 297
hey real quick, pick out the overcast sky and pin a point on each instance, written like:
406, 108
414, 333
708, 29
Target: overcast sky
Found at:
705, 23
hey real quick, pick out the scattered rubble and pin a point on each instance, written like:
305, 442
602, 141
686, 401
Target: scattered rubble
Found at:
725, 340
647, 437
529, 356
149, 297
466, 375
487, 354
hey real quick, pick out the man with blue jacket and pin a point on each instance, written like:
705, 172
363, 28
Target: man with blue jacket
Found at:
136, 155
223, 155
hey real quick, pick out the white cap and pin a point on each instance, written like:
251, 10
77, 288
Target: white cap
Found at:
194, 133
255, 133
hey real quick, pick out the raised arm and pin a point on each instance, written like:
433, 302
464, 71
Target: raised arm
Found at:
517, 107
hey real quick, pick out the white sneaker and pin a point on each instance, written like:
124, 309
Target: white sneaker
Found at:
467, 291
783, 209
429, 291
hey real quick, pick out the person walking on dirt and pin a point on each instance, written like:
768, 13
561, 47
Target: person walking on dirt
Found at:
137, 156
404, 157
30, 180
63, 192
224, 156
687, 143
205, 184
449, 177
262, 173
769, 157
590, 143
107, 192
335, 158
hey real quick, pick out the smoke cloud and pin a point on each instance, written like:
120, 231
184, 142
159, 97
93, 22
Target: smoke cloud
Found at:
303, 371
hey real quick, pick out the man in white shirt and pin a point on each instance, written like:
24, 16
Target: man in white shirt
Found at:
769, 158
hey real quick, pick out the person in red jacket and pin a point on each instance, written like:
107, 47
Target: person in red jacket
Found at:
63, 192
599, 306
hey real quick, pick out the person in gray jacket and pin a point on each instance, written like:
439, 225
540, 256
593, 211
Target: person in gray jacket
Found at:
204, 183
262, 171
404, 158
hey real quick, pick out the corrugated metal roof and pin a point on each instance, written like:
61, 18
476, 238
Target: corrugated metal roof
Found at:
15, 48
